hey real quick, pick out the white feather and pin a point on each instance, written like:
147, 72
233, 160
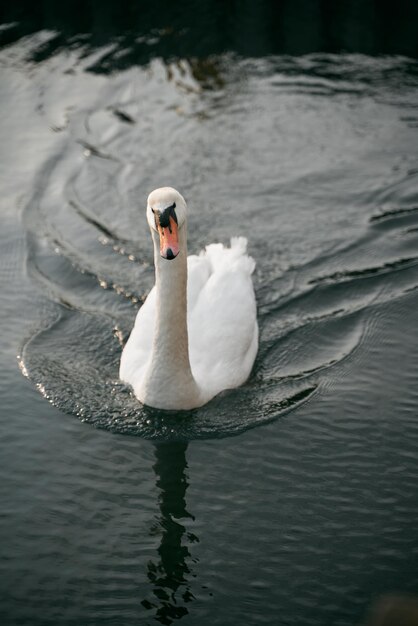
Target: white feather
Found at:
221, 323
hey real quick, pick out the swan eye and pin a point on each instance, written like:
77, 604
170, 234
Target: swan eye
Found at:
173, 213
162, 218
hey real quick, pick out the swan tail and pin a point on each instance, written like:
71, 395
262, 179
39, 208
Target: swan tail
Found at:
235, 257
239, 244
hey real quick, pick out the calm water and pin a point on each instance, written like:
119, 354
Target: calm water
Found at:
293, 500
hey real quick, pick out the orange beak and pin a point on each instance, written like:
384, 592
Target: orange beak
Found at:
169, 241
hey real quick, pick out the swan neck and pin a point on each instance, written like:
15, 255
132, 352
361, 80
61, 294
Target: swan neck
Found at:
171, 337
170, 379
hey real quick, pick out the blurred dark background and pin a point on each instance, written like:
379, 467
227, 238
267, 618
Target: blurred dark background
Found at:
140, 30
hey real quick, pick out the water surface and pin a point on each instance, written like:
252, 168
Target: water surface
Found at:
292, 500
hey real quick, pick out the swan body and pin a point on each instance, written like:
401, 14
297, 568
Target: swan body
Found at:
197, 333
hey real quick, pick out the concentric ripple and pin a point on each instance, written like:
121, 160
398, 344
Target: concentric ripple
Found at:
331, 244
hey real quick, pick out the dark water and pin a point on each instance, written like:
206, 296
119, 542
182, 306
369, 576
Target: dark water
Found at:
309, 512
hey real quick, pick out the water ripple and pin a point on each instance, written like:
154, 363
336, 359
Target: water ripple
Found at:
89, 248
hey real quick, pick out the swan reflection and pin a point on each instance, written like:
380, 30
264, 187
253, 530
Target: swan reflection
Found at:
171, 572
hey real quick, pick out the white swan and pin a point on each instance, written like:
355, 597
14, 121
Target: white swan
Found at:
197, 332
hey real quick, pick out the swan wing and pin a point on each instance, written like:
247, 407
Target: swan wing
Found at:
222, 317
137, 350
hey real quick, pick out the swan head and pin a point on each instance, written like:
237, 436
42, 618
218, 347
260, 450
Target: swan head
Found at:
166, 214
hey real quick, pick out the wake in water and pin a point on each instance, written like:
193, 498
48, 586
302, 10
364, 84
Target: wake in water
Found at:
331, 245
